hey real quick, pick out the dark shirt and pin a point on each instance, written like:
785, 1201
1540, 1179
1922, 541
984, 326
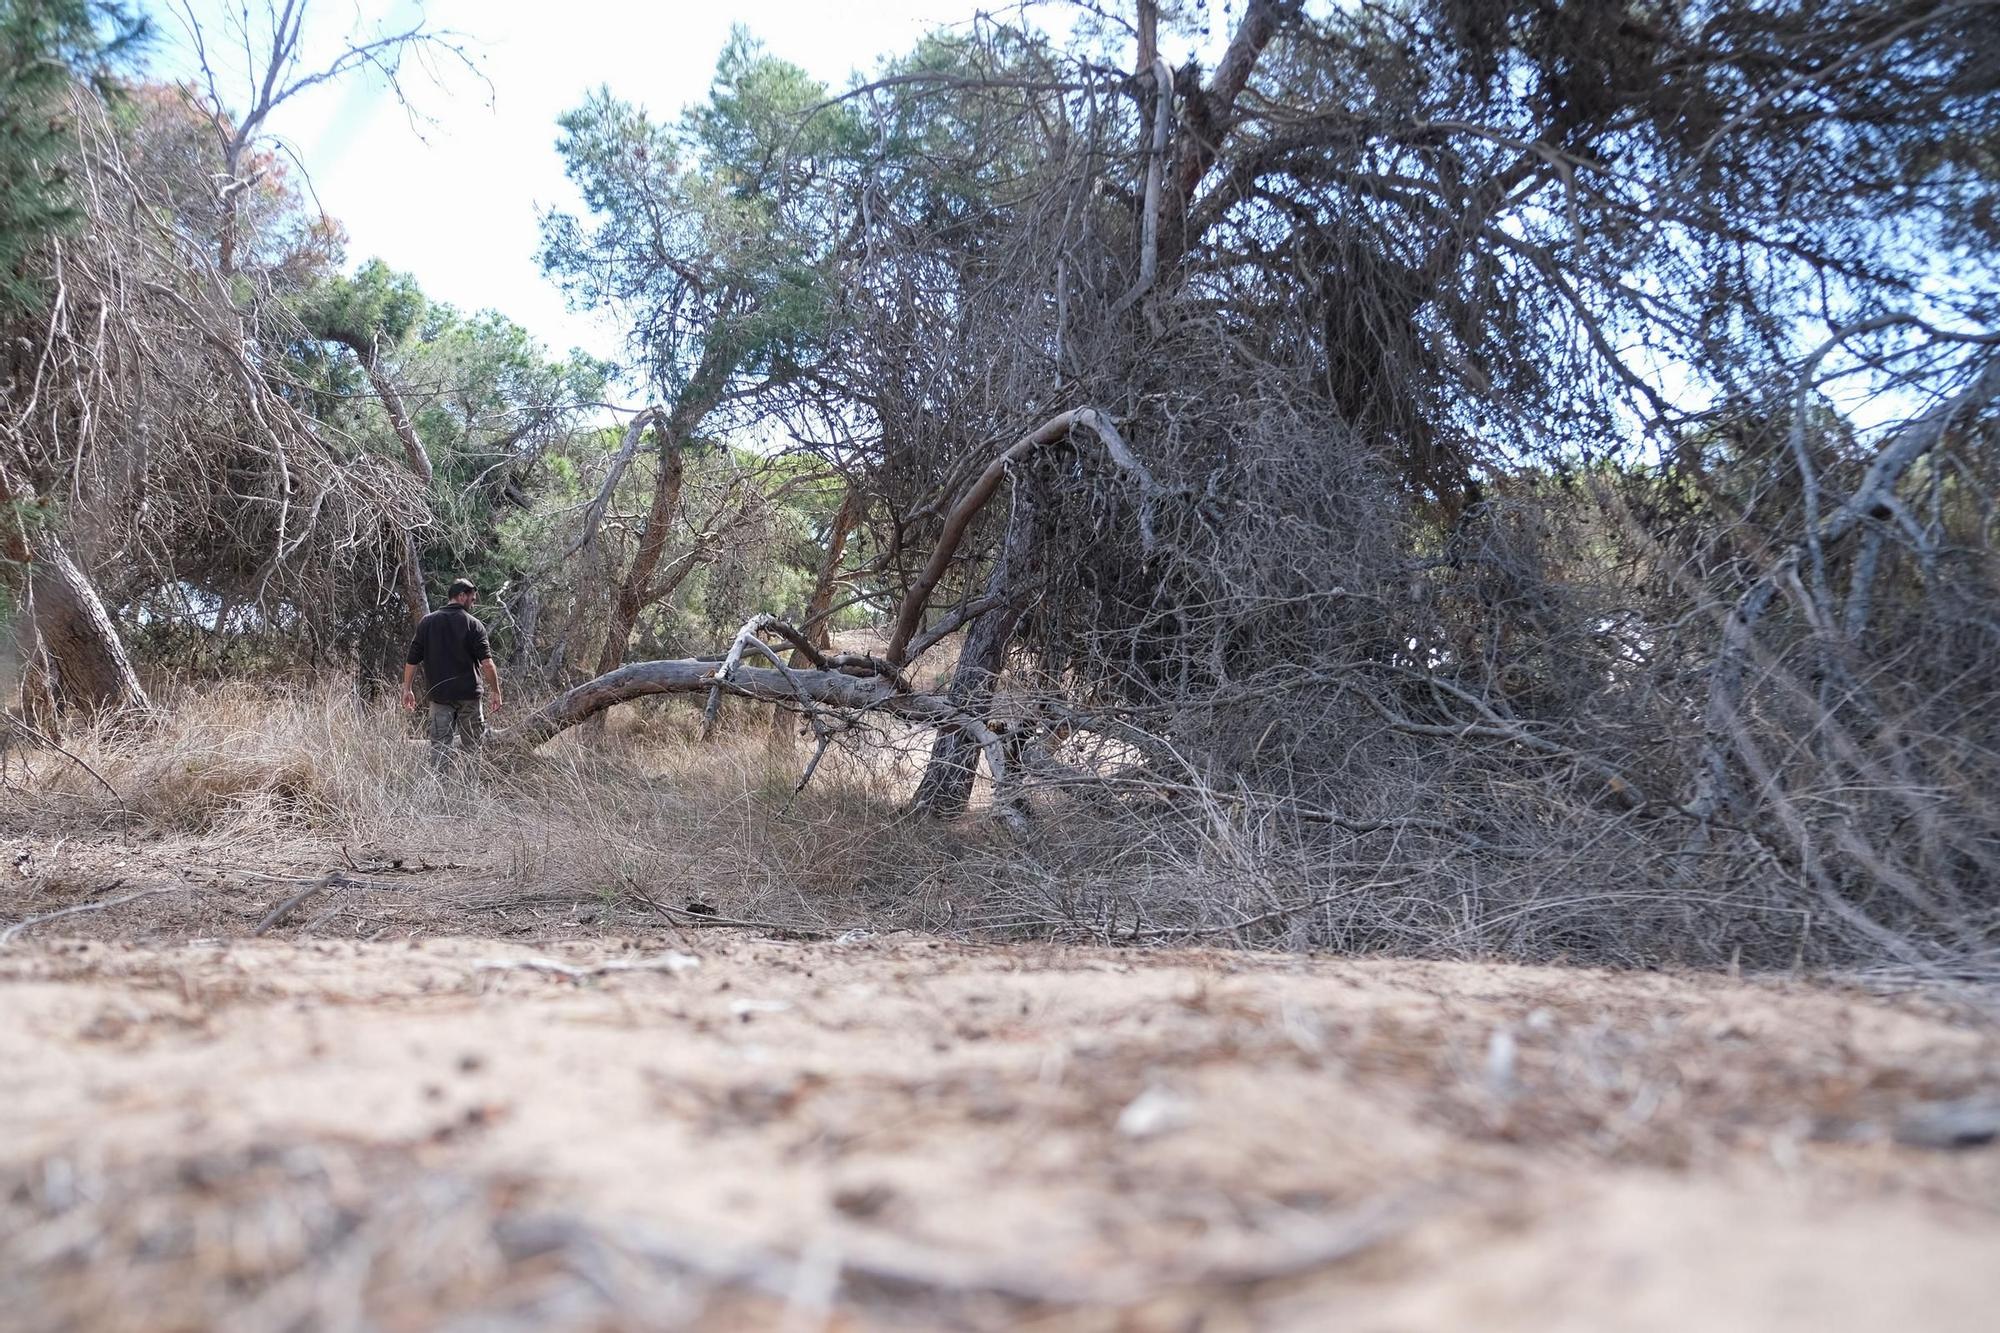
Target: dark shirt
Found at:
449, 644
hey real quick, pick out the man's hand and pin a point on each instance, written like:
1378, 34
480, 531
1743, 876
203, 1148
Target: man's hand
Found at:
409, 700
493, 704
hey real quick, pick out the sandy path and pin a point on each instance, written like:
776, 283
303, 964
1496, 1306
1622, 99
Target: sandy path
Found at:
897, 1132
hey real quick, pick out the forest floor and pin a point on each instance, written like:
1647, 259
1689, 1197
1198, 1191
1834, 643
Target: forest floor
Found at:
576, 1127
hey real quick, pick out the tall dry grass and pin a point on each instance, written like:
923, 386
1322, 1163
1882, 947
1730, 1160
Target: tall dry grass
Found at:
636, 813
639, 821
630, 823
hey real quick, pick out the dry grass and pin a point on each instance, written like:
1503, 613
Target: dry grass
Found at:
237, 792
620, 819
206, 1131
602, 828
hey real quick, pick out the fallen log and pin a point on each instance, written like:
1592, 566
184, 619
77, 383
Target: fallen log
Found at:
844, 694
834, 690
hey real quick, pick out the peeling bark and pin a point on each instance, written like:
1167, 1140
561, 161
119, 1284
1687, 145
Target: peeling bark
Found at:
70, 652
410, 578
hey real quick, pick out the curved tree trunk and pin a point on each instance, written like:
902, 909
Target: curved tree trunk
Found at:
633, 595
414, 452
946, 786
832, 689
968, 506
828, 690
71, 656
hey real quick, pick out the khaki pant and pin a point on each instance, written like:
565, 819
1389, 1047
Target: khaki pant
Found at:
467, 717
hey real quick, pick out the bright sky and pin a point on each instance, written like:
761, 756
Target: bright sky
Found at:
455, 201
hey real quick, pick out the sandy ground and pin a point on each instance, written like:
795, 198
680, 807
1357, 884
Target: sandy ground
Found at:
715, 1129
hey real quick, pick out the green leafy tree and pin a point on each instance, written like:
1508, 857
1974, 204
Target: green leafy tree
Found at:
716, 236
47, 48
471, 402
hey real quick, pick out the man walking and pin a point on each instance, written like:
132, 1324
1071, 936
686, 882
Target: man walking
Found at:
450, 645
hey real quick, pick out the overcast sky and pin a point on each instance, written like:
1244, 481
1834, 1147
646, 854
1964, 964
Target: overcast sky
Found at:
455, 201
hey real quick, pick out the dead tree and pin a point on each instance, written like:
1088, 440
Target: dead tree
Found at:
1716, 793
840, 689
272, 38
965, 733
138, 409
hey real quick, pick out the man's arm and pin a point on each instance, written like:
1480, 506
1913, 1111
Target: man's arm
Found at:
410, 661
480, 649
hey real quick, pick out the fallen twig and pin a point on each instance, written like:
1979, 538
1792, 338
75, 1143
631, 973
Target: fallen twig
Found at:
7, 935
277, 915
48, 744
683, 916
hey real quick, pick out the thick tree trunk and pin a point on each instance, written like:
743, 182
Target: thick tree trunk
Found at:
1207, 118
414, 452
836, 691
410, 578
633, 595
946, 786
832, 689
71, 655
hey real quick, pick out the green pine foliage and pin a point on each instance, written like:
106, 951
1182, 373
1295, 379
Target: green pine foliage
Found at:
47, 48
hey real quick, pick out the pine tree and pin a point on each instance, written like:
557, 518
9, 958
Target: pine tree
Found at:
47, 48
